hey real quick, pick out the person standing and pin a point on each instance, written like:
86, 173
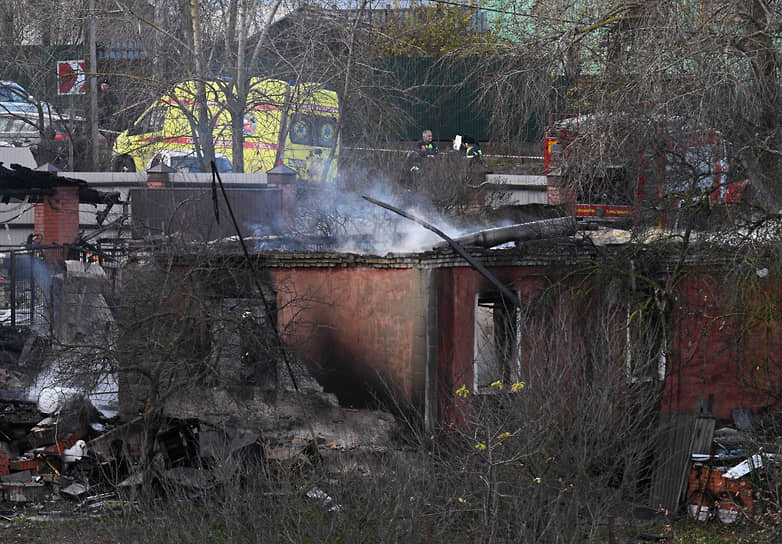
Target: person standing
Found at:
472, 149
429, 144
107, 103
415, 158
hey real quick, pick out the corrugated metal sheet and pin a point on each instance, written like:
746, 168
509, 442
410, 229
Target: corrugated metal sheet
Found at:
681, 435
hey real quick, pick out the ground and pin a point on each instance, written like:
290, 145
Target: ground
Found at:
122, 529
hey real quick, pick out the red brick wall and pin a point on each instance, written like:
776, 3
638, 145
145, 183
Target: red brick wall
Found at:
57, 217
359, 326
458, 289
724, 350
727, 346
361, 330
562, 196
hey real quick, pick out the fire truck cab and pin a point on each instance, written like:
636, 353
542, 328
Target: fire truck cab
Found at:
601, 173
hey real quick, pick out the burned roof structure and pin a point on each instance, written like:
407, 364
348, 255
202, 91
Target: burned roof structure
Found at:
19, 182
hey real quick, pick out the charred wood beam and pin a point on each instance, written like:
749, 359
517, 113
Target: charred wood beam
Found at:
34, 194
533, 230
88, 195
20, 180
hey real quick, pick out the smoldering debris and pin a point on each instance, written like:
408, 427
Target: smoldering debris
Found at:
329, 218
42, 461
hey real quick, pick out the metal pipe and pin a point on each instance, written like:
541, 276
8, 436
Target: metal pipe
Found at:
533, 230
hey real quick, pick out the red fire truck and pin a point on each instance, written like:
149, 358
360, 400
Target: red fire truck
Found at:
603, 173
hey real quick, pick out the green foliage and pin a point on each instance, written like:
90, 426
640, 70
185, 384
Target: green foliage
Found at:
432, 30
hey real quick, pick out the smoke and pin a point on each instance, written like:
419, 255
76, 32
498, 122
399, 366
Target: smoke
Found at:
33, 290
336, 218
52, 390
76, 365
355, 225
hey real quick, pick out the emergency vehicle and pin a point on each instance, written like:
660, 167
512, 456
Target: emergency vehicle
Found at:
622, 181
284, 123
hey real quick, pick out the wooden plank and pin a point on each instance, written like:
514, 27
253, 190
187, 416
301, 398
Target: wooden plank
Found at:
703, 434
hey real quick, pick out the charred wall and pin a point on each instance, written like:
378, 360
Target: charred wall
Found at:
362, 330
403, 328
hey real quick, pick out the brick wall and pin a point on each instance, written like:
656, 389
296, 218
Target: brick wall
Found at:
57, 217
562, 196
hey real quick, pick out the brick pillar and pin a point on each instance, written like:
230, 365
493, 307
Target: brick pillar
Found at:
57, 219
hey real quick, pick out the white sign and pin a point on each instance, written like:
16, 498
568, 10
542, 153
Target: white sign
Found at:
71, 78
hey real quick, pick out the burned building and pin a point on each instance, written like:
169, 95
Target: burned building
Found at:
411, 329
303, 338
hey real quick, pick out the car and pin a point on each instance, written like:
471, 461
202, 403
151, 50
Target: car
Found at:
186, 161
19, 129
66, 137
10, 91
15, 99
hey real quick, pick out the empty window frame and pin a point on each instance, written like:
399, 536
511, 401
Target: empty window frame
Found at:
497, 342
645, 339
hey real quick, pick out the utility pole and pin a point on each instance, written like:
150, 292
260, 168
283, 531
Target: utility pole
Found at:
93, 70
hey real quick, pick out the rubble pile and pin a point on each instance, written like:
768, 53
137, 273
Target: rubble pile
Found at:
75, 436
722, 483
79, 456
36, 452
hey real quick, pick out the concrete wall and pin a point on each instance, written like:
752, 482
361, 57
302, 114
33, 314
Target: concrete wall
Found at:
515, 190
190, 213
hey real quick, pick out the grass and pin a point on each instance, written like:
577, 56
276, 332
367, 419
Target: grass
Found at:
203, 524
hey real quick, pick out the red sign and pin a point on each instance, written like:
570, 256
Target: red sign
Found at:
71, 78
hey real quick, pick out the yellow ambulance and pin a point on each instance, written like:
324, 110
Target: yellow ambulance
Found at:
292, 124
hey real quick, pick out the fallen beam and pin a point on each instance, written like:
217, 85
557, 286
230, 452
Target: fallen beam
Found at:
534, 230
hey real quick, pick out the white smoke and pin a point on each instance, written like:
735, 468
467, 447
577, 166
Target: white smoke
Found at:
359, 226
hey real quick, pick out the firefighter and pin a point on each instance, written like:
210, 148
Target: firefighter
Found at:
107, 103
429, 144
415, 158
472, 149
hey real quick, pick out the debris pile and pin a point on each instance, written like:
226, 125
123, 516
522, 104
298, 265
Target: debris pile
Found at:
73, 429
37, 453
77, 455
721, 484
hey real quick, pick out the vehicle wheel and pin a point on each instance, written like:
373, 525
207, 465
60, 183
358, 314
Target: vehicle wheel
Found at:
123, 164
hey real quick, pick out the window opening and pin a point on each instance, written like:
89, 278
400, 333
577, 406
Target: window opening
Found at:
646, 341
497, 342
